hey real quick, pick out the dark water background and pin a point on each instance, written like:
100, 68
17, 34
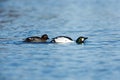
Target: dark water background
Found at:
97, 59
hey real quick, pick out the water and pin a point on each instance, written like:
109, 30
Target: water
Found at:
97, 59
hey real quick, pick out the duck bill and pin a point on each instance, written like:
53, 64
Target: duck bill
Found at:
86, 38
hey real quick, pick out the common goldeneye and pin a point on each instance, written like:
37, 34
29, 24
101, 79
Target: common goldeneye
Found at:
43, 38
65, 39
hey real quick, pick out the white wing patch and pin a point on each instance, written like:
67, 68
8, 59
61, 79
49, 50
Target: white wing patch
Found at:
62, 40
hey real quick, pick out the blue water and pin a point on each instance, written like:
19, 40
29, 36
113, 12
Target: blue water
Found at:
97, 59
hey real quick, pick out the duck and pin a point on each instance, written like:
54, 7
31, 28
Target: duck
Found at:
65, 39
43, 38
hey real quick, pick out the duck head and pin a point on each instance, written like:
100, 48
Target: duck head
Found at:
45, 37
81, 39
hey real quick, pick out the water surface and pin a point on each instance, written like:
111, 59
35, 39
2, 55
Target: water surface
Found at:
97, 59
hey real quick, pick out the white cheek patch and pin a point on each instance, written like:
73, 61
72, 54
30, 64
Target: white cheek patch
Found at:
82, 39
